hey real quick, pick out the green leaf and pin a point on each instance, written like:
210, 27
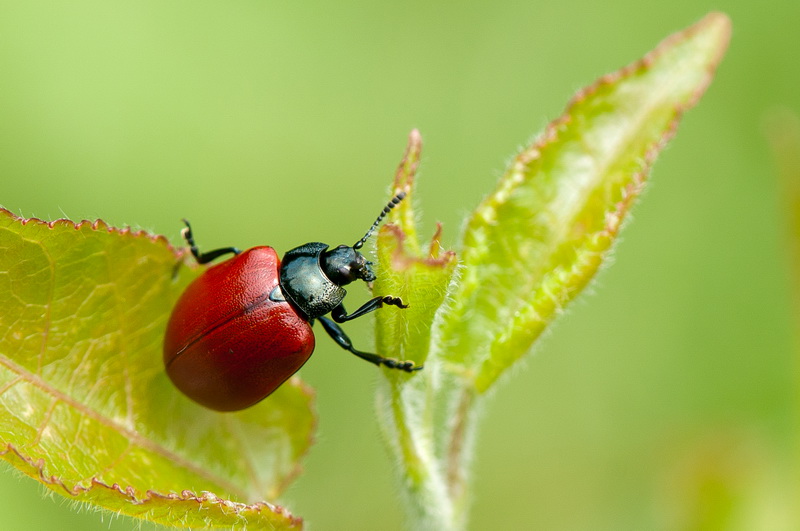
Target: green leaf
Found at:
534, 244
85, 405
421, 280
527, 251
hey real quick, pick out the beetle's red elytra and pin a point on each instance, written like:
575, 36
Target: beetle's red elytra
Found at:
243, 327
222, 328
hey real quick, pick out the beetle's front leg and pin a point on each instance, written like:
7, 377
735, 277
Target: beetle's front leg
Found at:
340, 315
341, 339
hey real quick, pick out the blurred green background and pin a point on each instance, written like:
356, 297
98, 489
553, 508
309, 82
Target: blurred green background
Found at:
662, 401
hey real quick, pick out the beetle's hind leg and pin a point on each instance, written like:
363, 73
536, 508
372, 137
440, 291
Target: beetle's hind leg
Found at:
341, 339
204, 258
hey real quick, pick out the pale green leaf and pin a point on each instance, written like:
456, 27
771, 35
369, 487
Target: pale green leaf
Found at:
85, 405
419, 279
534, 244
527, 251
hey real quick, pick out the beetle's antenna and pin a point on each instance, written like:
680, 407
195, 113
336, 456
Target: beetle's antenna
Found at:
389, 206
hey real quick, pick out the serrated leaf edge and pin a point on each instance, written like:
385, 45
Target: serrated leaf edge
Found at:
98, 225
36, 469
134, 436
518, 170
551, 133
402, 257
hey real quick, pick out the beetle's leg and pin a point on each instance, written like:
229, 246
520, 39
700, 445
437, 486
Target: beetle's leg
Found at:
204, 258
338, 335
340, 315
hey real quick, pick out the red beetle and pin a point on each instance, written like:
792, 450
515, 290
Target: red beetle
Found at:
243, 327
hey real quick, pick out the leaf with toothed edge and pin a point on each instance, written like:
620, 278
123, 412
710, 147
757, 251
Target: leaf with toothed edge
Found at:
85, 405
527, 251
421, 279
533, 245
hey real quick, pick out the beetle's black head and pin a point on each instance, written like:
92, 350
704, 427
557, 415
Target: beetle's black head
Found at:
344, 265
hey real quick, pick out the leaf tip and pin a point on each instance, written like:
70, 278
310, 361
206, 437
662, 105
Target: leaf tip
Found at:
717, 28
407, 169
718, 21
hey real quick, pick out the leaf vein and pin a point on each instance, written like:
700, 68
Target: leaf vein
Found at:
132, 435
45, 422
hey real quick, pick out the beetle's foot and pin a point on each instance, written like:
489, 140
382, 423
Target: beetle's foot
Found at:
393, 301
186, 233
407, 366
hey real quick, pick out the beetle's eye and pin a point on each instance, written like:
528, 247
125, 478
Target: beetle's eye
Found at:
348, 273
344, 265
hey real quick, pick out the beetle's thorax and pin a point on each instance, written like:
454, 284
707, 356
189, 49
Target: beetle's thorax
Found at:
311, 277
